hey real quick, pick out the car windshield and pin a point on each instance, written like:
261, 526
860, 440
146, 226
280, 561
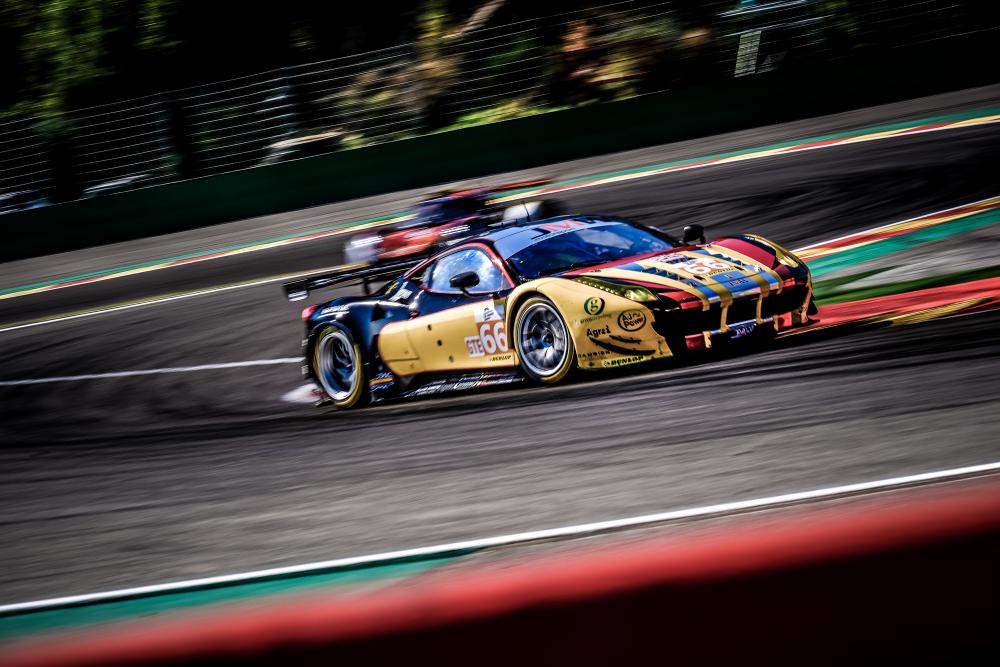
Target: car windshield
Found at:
564, 245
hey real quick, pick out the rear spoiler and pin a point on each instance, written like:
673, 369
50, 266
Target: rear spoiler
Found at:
496, 189
521, 185
299, 289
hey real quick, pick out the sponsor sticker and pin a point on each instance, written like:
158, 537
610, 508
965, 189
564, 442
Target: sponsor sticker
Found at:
623, 361
330, 310
593, 306
381, 381
741, 330
591, 320
487, 312
491, 340
701, 267
632, 320
475, 346
562, 226
599, 331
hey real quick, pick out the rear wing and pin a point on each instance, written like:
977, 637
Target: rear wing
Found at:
521, 185
299, 289
493, 190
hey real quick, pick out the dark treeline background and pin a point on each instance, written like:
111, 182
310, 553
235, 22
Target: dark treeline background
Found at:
64, 54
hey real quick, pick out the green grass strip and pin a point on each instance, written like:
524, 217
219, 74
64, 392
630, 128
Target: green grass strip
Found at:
34, 622
840, 260
827, 294
831, 287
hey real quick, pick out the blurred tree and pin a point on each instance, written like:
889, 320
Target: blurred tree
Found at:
70, 52
63, 54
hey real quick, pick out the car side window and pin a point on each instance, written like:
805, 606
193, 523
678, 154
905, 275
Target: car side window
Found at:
491, 279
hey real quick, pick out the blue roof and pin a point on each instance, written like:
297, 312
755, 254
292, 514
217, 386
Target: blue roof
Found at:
517, 235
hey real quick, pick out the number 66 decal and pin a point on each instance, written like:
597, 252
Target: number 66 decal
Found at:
704, 266
492, 339
493, 336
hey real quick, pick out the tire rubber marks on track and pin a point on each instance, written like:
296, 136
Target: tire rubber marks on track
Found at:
152, 371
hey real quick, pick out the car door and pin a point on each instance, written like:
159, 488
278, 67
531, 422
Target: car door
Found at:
452, 330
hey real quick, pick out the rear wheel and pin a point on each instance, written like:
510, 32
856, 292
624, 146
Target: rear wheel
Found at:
338, 367
543, 341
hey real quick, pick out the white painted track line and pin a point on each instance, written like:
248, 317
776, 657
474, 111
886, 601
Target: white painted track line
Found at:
443, 550
879, 228
165, 299
151, 371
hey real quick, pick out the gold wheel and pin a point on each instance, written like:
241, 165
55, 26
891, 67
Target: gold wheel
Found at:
338, 368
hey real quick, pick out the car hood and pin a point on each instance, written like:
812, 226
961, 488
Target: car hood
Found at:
717, 272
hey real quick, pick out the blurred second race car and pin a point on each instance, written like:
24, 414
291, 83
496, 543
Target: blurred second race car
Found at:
445, 219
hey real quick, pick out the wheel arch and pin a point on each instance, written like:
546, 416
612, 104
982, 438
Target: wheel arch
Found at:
596, 332
360, 321
553, 289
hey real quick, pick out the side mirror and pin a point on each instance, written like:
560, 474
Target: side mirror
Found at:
465, 280
693, 234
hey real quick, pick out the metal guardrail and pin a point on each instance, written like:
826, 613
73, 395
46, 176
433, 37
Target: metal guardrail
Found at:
486, 74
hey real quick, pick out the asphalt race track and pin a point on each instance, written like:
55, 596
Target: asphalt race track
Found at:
129, 480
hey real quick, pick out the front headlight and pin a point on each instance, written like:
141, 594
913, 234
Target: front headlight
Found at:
639, 294
628, 291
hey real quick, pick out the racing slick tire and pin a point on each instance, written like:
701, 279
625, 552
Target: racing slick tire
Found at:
339, 368
543, 341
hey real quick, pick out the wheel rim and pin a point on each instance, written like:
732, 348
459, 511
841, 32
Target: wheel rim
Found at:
337, 365
543, 340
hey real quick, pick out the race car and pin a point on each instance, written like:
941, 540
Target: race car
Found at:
443, 220
538, 300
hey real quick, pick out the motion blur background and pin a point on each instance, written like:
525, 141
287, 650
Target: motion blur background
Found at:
102, 96
166, 164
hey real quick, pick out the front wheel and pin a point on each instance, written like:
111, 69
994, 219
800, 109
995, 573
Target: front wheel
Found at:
543, 341
338, 367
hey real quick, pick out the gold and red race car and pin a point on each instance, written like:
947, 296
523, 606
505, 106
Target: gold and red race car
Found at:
538, 300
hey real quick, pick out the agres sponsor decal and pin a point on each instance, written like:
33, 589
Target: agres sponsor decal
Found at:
599, 331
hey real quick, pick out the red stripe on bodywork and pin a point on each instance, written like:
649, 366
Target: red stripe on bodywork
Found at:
751, 250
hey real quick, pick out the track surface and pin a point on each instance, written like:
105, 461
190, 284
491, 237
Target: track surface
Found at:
118, 482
